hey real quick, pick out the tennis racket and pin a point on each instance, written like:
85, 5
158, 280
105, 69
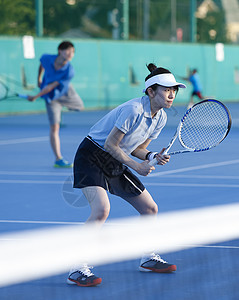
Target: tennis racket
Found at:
204, 126
5, 93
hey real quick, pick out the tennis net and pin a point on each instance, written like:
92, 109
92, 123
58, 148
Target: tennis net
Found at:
202, 242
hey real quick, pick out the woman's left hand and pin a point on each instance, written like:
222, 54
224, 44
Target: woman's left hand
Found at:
162, 159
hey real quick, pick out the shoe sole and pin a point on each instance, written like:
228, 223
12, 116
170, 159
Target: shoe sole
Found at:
170, 269
94, 283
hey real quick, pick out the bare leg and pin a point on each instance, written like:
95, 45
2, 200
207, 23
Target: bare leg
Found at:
144, 203
55, 140
99, 203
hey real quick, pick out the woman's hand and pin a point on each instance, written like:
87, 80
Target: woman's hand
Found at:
144, 168
162, 159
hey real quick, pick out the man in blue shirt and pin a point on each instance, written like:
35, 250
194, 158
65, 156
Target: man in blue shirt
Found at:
54, 76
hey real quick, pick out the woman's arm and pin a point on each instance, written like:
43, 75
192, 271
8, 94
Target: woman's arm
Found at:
112, 146
141, 152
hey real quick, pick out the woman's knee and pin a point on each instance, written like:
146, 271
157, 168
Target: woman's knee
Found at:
99, 203
152, 209
144, 204
101, 214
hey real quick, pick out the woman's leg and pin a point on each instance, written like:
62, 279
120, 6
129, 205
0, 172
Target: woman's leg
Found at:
144, 203
100, 207
150, 262
99, 203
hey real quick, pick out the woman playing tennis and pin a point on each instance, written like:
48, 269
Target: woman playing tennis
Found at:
102, 160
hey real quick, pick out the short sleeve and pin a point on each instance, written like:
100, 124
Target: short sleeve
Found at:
127, 117
44, 60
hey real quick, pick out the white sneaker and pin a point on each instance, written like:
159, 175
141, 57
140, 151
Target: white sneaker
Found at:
154, 263
82, 276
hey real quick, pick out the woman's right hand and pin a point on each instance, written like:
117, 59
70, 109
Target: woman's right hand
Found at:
144, 168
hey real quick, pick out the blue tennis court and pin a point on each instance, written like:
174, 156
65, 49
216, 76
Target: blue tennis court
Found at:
32, 197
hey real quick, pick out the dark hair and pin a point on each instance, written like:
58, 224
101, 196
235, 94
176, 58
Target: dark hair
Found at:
154, 70
65, 45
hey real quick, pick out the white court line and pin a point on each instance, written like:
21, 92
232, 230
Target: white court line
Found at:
155, 174
111, 223
42, 222
25, 140
206, 166
16, 173
203, 176
32, 181
193, 185
218, 246
147, 184
13, 173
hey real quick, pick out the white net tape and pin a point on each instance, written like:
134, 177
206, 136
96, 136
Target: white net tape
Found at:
40, 253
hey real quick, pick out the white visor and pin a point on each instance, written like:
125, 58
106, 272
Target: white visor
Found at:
166, 79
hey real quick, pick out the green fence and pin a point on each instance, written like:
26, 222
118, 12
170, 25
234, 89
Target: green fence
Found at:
108, 73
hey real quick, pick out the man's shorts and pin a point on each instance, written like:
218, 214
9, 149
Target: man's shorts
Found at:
71, 100
93, 166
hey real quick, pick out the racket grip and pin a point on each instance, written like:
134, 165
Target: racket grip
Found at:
153, 162
22, 96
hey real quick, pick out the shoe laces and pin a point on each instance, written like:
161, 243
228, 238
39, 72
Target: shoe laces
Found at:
157, 257
85, 270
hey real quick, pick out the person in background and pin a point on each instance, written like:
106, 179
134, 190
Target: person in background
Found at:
197, 87
104, 157
54, 76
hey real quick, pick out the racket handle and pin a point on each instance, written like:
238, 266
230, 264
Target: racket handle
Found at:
154, 161
22, 96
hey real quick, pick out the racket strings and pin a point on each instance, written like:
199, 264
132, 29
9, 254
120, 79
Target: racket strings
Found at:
204, 126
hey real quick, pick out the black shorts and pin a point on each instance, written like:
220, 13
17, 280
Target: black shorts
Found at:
93, 166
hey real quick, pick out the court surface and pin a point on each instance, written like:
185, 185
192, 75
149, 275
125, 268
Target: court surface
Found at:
32, 197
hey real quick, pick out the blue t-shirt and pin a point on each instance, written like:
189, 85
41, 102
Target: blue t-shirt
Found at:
63, 76
132, 118
195, 80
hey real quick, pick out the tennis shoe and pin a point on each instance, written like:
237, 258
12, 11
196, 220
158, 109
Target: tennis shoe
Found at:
154, 263
61, 163
83, 277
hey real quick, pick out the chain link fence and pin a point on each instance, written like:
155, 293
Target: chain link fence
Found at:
155, 20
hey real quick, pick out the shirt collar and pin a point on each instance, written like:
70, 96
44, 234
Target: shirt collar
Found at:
147, 108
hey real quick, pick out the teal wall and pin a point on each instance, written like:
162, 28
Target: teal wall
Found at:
111, 72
